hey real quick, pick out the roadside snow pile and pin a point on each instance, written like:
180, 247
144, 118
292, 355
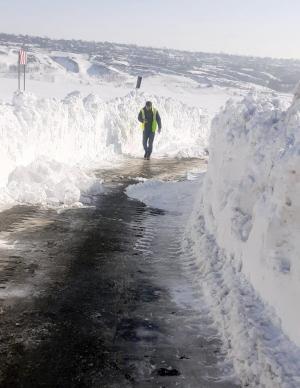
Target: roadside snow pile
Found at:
171, 196
245, 233
52, 183
252, 199
87, 131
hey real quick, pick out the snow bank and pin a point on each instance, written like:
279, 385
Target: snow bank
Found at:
84, 131
171, 196
247, 237
48, 182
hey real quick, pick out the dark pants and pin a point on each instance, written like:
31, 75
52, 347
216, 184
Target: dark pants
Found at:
148, 137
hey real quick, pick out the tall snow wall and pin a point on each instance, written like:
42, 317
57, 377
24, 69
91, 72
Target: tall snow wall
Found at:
47, 143
252, 199
80, 130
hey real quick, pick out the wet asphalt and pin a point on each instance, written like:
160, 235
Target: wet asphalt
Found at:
103, 296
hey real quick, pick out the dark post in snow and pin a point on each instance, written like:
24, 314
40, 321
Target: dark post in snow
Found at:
22, 61
139, 82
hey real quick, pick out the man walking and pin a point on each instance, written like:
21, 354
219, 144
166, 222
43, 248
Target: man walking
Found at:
150, 119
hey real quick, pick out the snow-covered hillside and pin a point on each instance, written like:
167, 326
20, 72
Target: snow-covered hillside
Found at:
95, 61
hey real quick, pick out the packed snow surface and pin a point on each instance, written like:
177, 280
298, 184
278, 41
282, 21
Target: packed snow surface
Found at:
87, 131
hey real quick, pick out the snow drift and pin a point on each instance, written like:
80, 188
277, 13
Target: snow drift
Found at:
171, 196
248, 240
252, 198
49, 182
88, 131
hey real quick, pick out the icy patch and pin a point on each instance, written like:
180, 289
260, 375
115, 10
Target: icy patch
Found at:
5, 244
15, 292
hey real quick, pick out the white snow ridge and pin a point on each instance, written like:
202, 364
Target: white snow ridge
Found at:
49, 182
84, 132
245, 232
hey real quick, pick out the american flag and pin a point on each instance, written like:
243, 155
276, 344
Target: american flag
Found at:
22, 57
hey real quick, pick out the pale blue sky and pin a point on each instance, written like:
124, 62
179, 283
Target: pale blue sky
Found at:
250, 27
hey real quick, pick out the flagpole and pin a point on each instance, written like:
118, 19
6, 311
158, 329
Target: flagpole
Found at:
19, 73
24, 76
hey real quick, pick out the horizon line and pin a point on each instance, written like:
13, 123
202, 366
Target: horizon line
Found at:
153, 47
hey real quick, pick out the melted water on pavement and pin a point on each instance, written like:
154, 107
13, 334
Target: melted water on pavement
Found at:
103, 296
